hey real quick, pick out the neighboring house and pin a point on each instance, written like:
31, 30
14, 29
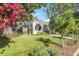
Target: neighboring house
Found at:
32, 27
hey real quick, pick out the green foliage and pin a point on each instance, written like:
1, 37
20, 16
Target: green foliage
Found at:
1, 32
53, 52
31, 7
68, 12
72, 24
64, 23
57, 9
59, 24
40, 52
24, 5
37, 52
46, 41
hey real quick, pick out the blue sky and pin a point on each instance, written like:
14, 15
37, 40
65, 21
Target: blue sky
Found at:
41, 14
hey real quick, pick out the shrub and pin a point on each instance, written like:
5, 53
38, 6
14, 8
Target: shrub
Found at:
46, 42
42, 52
37, 52
53, 52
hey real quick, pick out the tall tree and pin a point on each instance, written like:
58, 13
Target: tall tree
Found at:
63, 21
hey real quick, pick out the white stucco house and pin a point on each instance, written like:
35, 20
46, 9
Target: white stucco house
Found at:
40, 26
32, 27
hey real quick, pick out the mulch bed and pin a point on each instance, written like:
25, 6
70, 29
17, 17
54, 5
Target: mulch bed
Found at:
78, 54
68, 50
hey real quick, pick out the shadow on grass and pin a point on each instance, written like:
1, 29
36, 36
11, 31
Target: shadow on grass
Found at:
57, 44
47, 41
4, 41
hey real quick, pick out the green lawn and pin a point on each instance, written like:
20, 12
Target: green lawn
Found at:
22, 44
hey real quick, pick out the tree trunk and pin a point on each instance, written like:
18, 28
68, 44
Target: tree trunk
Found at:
62, 41
54, 31
74, 35
1, 33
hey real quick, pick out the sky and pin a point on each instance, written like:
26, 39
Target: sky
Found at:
41, 14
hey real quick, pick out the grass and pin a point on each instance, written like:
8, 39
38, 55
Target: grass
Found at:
22, 44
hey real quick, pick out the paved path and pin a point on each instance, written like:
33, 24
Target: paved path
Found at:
56, 35
77, 52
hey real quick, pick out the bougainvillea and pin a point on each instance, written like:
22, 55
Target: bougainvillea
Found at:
8, 14
13, 6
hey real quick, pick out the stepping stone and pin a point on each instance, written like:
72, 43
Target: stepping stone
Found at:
77, 52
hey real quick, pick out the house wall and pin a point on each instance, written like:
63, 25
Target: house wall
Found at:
41, 24
29, 27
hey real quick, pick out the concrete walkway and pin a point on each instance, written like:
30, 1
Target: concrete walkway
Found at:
56, 35
77, 52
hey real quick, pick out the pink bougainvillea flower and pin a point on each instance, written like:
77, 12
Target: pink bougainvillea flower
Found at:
8, 14
0, 18
11, 14
10, 20
2, 26
13, 6
16, 13
2, 9
11, 25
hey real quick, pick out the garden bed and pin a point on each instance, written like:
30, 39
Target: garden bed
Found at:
68, 50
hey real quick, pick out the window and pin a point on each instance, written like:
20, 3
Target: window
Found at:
45, 28
38, 27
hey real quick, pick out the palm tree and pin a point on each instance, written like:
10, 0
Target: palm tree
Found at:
63, 23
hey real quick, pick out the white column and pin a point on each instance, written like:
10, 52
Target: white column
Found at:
34, 24
42, 28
